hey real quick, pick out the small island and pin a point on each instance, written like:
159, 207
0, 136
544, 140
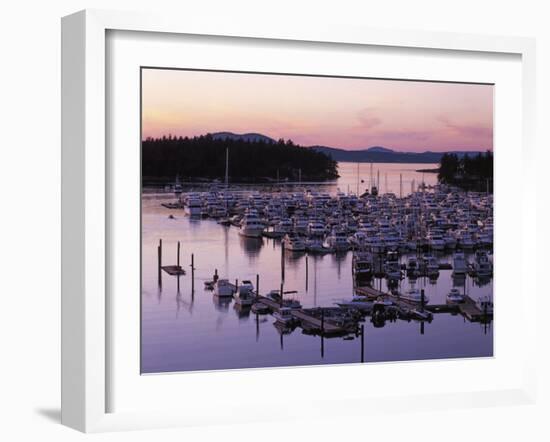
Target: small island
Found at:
250, 161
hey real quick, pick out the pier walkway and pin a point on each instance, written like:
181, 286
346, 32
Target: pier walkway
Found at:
468, 308
326, 326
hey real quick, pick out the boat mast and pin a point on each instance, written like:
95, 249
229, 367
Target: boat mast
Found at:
226, 167
371, 183
357, 192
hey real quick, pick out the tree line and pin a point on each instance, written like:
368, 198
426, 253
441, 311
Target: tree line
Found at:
203, 157
470, 172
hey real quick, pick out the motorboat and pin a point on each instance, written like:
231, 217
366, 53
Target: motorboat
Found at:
284, 315
412, 266
294, 243
482, 266
245, 294
316, 228
460, 267
455, 296
251, 225
485, 304
413, 295
338, 240
362, 265
223, 288
315, 245
193, 205
357, 302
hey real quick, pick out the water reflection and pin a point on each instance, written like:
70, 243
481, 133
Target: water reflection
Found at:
251, 246
210, 336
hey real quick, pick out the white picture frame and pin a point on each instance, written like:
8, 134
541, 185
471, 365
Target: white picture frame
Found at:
85, 198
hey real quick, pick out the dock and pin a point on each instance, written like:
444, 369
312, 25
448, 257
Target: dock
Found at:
471, 311
325, 326
367, 290
468, 308
173, 270
307, 320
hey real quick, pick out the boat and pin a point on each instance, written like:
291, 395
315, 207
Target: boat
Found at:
338, 240
251, 225
223, 288
294, 243
357, 302
193, 206
412, 266
485, 304
454, 296
316, 228
413, 295
362, 265
178, 188
482, 266
436, 241
284, 315
275, 295
245, 294
315, 245
392, 266
460, 267
432, 265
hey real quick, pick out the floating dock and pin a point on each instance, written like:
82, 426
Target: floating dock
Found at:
173, 270
468, 308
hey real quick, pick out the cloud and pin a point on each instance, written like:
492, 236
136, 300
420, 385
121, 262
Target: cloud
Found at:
366, 118
470, 131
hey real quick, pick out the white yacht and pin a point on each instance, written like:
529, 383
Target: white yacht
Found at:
316, 228
283, 315
357, 302
414, 295
485, 304
193, 206
294, 243
460, 267
245, 294
362, 265
482, 265
316, 245
454, 296
338, 240
251, 225
436, 241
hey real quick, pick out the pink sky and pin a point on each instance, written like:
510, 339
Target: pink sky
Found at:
336, 112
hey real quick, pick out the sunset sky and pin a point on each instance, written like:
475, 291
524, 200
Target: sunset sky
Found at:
336, 112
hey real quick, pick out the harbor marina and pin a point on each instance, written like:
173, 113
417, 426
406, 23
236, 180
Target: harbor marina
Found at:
409, 243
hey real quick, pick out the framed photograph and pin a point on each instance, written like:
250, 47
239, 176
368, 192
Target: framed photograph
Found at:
301, 212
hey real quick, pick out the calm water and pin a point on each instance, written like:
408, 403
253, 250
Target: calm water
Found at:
183, 332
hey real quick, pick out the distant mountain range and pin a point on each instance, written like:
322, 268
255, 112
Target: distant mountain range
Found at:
251, 137
374, 154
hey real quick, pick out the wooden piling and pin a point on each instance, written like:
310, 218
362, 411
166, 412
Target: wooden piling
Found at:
192, 274
257, 286
281, 297
422, 300
322, 333
282, 262
307, 272
178, 253
159, 257
362, 343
